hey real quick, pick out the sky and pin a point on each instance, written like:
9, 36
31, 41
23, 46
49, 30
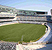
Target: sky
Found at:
36, 5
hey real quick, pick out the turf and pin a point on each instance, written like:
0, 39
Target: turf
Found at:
16, 32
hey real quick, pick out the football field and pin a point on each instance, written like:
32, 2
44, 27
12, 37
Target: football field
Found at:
18, 32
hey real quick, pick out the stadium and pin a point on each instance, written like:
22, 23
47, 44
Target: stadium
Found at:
24, 29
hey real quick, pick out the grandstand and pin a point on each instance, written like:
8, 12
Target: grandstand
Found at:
25, 15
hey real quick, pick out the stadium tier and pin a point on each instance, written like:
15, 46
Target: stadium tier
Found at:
7, 9
30, 13
40, 18
6, 16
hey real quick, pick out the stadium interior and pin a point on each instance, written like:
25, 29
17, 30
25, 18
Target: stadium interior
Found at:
10, 15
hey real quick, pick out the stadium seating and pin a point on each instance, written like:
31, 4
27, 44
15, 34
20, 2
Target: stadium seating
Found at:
7, 46
32, 18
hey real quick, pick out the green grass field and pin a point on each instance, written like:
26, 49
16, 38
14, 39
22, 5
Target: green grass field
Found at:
14, 32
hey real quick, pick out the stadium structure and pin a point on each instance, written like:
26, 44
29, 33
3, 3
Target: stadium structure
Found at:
13, 15
51, 13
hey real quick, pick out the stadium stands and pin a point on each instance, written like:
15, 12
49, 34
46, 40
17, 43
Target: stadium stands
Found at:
25, 14
7, 46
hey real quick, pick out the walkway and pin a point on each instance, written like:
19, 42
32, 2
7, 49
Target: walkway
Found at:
38, 47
